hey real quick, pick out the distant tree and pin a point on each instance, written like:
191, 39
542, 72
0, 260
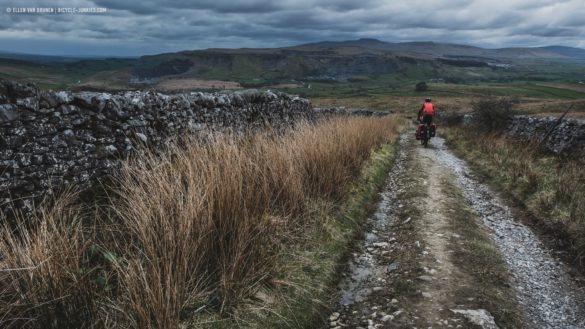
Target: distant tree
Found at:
421, 86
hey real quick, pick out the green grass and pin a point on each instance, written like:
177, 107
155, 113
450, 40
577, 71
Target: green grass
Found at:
547, 92
509, 89
61, 77
390, 85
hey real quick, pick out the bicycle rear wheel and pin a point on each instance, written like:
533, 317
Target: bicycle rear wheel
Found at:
424, 136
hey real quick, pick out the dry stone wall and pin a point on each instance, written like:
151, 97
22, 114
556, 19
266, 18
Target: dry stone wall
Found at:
48, 138
342, 111
566, 138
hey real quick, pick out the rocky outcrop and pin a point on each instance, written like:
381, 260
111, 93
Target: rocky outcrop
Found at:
48, 138
567, 138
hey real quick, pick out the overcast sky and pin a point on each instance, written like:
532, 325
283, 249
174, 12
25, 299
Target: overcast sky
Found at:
130, 27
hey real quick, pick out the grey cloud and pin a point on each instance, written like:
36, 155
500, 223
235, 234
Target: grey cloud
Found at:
156, 26
135, 7
161, 7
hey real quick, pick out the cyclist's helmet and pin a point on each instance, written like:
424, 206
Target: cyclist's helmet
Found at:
428, 99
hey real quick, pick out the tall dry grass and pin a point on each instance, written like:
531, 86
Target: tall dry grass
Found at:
195, 227
44, 281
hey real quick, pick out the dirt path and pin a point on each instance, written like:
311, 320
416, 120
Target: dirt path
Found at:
443, 251
440, 286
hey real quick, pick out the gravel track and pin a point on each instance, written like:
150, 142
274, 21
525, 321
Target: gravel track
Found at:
550, 297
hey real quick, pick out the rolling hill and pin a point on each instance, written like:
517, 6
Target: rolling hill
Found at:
363, 63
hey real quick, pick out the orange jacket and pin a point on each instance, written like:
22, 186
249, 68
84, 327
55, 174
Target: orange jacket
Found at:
427, 109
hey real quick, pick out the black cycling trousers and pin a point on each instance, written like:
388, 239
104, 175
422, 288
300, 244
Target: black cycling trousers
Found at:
427, 119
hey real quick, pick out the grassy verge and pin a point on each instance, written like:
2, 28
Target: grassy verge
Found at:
475, 255
550, 187
231, 231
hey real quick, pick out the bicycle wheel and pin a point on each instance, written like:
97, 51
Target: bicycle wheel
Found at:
424, 136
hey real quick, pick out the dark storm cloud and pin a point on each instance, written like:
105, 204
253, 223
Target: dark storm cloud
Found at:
137, 27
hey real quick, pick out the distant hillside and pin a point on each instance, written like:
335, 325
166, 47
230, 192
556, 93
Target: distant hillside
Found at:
332, 60
445, 49
358, 62
567, 51
37, 58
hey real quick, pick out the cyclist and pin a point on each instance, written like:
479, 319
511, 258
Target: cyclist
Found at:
427, 111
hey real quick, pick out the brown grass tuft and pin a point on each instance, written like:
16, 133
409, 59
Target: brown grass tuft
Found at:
195, 227
44, 278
